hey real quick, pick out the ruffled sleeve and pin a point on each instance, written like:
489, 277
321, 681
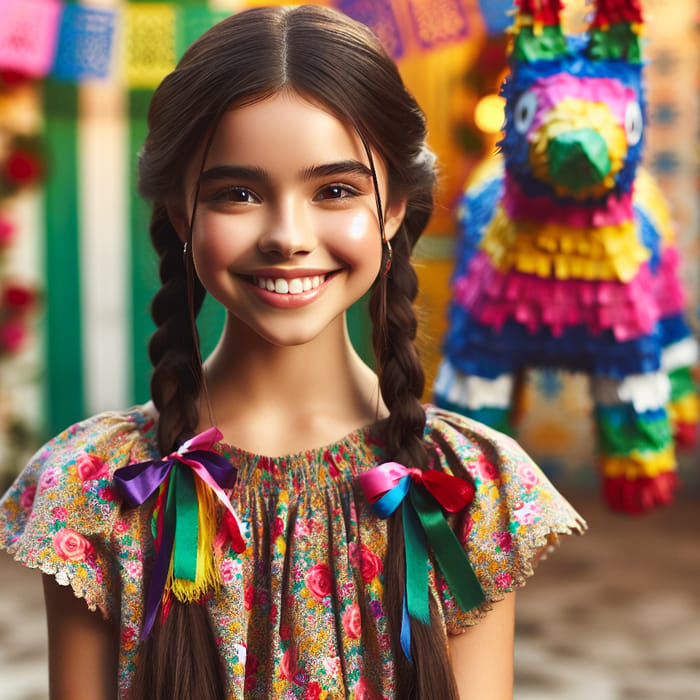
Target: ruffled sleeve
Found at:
60, 513
515, 516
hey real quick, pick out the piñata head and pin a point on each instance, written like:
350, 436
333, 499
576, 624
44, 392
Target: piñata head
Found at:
574, 104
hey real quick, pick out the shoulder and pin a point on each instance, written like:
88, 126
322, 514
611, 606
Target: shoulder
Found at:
516, 513
110, 436
59, 513
463, 445
503, 474
80, 462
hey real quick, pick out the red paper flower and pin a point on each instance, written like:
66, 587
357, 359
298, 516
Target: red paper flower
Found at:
22, 167
12, 335
17, 298
7, 232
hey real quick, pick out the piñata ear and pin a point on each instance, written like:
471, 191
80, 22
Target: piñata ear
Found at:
615, 31
537, 32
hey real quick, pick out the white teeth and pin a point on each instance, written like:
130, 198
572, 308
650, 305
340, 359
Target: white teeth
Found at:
281, 285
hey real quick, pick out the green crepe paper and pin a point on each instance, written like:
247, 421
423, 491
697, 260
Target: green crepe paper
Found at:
619, 42
640, 434
547, 44
682, 383
578, 159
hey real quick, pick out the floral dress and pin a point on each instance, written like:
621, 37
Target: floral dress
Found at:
299, 612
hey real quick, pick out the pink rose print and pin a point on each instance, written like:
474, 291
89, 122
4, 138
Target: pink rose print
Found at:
59, 513
313, 691
352, 622
369, 563
228, 571
486, 469
48, 479
365, 691
91, 467
134, 569
465, 529
108, 494
288, 664
129, 638
504, 580
120, 526
504, 541
527, 513
26, 498
71, 545
318, 581
331, 665
528, 476
278, 528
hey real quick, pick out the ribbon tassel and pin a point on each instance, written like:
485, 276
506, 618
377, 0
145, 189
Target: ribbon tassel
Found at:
190, 481
429, 494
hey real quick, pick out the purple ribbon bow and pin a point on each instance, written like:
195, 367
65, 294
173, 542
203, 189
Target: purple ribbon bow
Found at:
137, 482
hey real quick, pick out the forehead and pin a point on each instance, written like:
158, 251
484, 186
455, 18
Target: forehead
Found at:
281, 130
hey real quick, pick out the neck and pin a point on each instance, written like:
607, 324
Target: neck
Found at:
276, 400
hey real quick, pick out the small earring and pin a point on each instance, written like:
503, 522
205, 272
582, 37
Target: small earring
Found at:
387, 264
184, 249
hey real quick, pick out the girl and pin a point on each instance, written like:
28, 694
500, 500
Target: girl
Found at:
280, 521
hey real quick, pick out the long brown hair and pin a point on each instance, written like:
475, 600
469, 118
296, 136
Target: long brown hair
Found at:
338, 63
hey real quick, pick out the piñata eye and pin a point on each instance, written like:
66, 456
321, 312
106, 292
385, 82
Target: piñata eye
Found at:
524, 111
634, 124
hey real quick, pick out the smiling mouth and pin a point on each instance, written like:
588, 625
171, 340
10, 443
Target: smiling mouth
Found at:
295, 285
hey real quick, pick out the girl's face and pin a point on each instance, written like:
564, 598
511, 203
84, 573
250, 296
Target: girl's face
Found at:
286, 234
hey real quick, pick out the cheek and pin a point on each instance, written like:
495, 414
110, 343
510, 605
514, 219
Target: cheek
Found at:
357, 238
217, 242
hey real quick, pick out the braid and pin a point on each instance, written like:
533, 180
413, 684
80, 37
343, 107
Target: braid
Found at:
401, 377
180, 659
174, 347
401, 381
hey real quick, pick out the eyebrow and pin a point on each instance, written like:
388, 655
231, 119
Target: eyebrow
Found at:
252, 173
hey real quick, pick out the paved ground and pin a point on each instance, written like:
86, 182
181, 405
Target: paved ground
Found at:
614, 615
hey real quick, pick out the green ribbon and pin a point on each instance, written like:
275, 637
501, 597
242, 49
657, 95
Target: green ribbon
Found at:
424, 522
181, 510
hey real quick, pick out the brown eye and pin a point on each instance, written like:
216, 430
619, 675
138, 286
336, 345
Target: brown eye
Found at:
237, 195
335, 192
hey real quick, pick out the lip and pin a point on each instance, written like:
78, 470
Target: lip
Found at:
289, 301
290, 274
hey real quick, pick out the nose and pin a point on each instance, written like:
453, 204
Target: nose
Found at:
289, 231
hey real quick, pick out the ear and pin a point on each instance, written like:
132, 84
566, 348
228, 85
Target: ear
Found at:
393, 216
179, 220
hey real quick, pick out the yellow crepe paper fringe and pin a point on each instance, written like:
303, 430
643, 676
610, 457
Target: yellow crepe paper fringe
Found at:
553, 249
639, 465
207, 576
685, 409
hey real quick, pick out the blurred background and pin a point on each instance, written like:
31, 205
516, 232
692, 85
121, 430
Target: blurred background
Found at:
615, 614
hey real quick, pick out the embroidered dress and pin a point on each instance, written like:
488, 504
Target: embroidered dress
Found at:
299, 613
